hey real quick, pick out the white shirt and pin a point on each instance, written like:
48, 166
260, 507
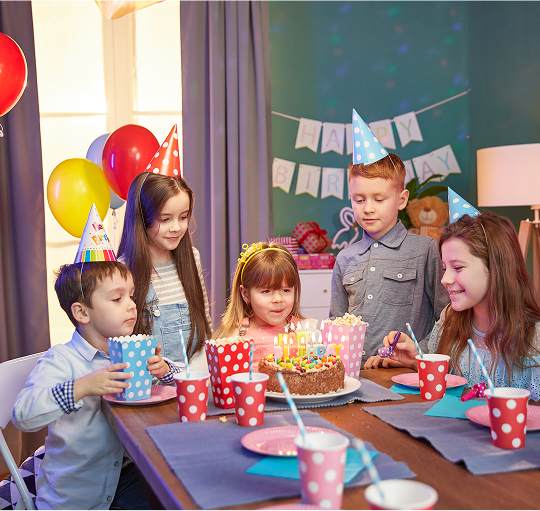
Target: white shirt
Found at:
83, 455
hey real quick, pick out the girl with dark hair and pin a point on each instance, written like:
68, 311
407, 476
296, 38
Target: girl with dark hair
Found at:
492, 303
170, 292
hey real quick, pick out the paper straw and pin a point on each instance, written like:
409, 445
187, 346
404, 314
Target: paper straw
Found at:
415, 341
294, 410
185, 354
250, 360
473, 348
360, 446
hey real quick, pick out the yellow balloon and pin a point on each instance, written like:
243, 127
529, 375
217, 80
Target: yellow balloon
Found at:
73, 186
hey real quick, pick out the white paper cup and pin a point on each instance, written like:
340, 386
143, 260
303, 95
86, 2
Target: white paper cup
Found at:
401, 494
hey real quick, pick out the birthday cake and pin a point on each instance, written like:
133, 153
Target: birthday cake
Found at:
304, 375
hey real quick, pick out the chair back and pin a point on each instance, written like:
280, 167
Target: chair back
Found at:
13, 377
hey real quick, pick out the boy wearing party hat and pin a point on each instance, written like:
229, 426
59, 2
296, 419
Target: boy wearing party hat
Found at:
84, 465
391, 277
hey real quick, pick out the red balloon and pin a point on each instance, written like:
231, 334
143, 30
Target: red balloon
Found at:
127, 153
13, 73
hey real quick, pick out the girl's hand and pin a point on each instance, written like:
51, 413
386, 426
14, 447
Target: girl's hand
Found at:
404, 351
101, 382
156, 365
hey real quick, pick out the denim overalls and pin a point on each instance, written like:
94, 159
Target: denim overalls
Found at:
166, 326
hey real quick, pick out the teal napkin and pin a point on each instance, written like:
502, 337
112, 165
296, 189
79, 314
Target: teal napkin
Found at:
404, 389
452, 406
288, 466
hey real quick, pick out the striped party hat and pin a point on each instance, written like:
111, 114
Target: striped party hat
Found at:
167, 159
95, 244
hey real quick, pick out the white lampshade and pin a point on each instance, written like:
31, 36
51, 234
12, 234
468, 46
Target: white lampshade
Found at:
509, 175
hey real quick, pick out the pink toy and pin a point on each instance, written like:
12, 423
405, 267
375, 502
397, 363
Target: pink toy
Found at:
477, 391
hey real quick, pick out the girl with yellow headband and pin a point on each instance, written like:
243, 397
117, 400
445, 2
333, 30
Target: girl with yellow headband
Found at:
265, 298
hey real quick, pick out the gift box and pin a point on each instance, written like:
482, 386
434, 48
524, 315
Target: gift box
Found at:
352, 340
226, 357
289, 242
315, 261
312, 237
134, 350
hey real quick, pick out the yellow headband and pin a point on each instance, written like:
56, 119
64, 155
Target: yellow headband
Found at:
250, 251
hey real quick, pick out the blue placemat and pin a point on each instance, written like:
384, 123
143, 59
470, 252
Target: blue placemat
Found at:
453, 407
368, 392
281, 466
459, 440
404, 389
211, 462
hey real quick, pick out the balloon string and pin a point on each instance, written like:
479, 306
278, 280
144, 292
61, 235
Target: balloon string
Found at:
115, 222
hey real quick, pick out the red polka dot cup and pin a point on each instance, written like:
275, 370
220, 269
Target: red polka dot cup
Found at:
249, 398
432, 375
401, 494
192, 395
321, 463
508, 416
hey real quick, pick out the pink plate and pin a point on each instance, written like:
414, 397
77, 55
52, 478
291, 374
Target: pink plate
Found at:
160, 393
296, 505
411, 380
277, 441
480, 415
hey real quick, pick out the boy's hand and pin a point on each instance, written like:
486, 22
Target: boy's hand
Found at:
156, 365
101, 382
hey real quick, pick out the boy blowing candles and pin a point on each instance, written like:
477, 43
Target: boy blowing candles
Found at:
390, 277
84, 465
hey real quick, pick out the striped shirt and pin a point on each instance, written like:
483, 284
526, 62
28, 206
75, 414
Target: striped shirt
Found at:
169, 289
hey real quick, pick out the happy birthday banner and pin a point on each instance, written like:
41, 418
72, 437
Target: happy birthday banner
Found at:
336, 135
332, 180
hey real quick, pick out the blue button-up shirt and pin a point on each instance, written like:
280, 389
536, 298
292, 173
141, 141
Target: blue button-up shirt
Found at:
390, 282
83, 455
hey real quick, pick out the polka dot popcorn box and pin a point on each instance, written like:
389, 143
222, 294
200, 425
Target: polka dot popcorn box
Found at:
348, 341
226, 357
432, 375
321, 463
508, 416
134, 350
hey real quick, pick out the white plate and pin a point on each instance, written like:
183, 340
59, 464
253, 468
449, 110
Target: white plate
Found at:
351, 384
160, 393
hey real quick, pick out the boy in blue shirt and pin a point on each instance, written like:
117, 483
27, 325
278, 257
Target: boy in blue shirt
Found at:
84, 465
391, 277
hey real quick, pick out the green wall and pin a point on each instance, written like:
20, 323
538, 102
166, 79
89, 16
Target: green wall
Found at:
390, 58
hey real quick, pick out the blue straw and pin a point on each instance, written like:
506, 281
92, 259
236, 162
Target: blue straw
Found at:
294, 410
473, 348
415, 341
184, 352
250, 360
360, 446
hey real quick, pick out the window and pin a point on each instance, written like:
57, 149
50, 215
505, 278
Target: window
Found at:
95, 75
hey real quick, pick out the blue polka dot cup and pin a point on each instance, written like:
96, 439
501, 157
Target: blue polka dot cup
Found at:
133, 350
249, 398
321, 463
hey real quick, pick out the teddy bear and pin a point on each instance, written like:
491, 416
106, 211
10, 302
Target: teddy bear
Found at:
427, 215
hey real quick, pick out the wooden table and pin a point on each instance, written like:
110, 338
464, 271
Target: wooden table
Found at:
457, 487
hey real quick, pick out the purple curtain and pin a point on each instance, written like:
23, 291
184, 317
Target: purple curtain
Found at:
24, 318
227, 144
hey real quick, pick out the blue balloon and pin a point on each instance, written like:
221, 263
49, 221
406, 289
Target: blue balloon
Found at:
95, 154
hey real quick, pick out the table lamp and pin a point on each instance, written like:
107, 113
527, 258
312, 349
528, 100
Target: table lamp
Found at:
510, 176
